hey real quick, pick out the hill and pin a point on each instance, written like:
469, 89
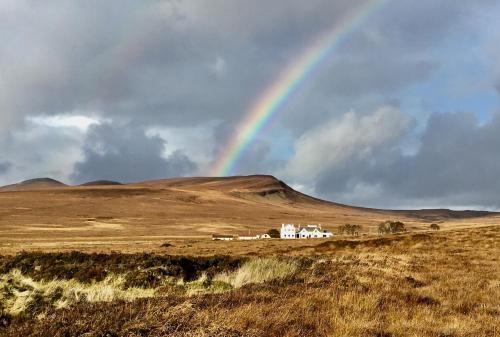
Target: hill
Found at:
50, 214
33, 184
101, 183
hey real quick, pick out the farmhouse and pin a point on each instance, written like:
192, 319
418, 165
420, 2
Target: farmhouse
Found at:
289, 231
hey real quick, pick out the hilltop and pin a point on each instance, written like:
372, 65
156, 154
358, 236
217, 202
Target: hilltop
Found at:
33, 184
101, 183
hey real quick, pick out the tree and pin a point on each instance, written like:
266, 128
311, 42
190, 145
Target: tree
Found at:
435, 227
383, 228
349, 229
274, 233
391, 227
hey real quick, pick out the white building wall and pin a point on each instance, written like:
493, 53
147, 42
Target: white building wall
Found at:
304, 234
327, 234
316, 234
288, 231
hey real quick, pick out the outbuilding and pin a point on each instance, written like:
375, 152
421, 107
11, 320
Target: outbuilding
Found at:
222, 237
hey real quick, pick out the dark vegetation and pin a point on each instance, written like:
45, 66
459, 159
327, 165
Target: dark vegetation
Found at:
274, 233
349, 229
391, 227
141, 270
434, 227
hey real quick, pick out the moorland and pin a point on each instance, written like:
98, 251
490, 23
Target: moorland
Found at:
110, 260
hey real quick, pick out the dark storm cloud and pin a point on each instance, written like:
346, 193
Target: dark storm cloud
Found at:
127, 154
457, 163
152, 62
119, 58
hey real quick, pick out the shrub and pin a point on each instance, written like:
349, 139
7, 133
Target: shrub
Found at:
391, 227
274, 233
349, 229
435, 227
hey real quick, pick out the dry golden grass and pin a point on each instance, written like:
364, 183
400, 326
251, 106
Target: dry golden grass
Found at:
258, 270
20, 294
424, 284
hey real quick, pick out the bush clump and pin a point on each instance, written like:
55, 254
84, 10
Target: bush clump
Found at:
391, 227
350, 229
274, 233
435, 227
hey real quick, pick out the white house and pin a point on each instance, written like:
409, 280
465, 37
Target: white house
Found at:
288, 231
309, 231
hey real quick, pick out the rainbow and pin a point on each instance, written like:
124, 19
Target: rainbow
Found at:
279, 92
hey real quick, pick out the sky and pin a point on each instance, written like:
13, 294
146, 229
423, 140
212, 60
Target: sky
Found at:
404, 113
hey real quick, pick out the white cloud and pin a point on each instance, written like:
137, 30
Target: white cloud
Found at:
339, 141
40, 150
80, 122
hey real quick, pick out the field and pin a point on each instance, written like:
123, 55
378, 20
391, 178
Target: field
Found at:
422, 284
140, 217
137, 260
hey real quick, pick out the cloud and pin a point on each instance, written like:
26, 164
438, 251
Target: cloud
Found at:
38, 149
4, 167
146, 62
458, 160
256, 158
127, 154
352, 138
456, 165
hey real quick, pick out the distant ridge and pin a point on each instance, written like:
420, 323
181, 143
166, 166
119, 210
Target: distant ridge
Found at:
102, 183
254, 191
34, 184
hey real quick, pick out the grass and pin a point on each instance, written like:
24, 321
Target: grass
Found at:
258, 270
20, 294
442, 284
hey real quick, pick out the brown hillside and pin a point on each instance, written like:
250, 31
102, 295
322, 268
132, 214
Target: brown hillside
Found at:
58, 216
33, 184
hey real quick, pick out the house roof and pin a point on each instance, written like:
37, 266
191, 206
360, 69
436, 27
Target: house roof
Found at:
309, 229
